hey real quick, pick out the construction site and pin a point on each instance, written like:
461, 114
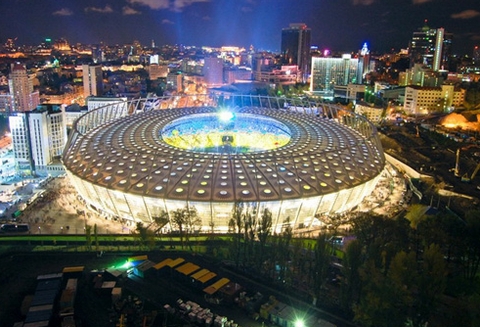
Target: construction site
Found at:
448, 162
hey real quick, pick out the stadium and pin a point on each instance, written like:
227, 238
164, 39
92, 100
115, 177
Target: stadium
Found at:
299, 159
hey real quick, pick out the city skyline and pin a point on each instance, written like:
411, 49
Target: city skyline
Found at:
339, 26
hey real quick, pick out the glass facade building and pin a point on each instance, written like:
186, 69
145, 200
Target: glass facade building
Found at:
328, 72
295, 47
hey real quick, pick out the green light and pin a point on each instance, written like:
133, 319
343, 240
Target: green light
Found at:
48, 40
127, 264
299, 323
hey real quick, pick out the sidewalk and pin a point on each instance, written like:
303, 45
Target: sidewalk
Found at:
59, 211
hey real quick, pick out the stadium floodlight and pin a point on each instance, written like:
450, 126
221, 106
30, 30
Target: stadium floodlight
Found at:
299, 323
225, 116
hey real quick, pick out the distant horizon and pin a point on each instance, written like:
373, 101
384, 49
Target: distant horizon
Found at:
338, 26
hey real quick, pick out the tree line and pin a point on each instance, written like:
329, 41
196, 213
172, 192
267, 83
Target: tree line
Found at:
387, 271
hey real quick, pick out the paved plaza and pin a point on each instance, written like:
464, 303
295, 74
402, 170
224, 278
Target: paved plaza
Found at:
61, 211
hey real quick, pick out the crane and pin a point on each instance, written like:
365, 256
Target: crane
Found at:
457, 163
466, 178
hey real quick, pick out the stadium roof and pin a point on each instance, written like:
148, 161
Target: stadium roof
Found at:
129, 155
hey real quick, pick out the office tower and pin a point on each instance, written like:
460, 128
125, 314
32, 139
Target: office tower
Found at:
328, 72
363, 63
21, 87
213, 71
430, 47
175, 81
21, 141
38, 137
92, 80
48, 134
97, 54
295, 47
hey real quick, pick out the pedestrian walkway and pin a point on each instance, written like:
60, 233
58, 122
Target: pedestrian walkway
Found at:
61, 211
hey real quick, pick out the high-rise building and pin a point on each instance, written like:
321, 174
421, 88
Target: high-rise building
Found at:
363, 63
21, 87
92, 80
98, 55
328, 72
295, 47
213, 71
48, 134
175, 81
38, 137
430, 47
18, 124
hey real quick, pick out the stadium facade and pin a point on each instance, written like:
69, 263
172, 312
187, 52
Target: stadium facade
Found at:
300, 160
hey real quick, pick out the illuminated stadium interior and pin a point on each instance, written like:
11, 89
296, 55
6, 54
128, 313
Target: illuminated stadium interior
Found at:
133, 164
226, 132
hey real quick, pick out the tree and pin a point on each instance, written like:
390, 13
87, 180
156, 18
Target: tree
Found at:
473, 95
284, 242
472, 242
351, 283
236, 223
382, 301
142, 232
405, 292
381, 236
185, 219
264, 230
403, 276
448, 231
431, 284
321, 264
178, 221
161, 220
95, 235
88, 236
250, 226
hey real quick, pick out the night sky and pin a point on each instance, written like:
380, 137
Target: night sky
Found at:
338, 25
